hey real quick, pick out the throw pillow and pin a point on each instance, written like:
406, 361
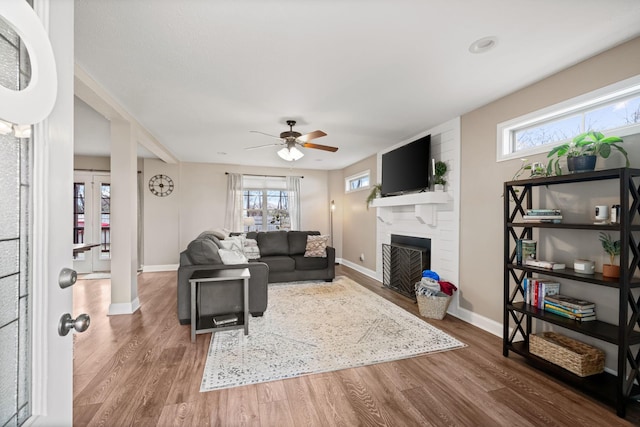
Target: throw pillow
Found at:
316, 246
235, 243
251, 249
231, 257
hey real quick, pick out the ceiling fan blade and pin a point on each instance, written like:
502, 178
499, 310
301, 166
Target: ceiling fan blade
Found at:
311, 135
272, 136
320, 147
262, 146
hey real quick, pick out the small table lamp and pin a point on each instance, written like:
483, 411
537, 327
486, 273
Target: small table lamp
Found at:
249, 222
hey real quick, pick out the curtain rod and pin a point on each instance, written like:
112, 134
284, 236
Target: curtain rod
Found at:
266, 176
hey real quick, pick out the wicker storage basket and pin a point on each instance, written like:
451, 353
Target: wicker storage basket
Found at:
574, 356
433, 307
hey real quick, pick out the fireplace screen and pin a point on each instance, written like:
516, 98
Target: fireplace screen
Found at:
402, 267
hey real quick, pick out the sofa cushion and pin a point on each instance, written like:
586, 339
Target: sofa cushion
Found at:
298, 241
279, 262
273, 243
309, 263
203, 251
316, 246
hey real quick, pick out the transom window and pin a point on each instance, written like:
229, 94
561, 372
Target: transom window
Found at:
357, 182
613, 110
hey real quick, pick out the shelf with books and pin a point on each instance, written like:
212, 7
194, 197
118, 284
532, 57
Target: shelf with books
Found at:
570, 273
520, 318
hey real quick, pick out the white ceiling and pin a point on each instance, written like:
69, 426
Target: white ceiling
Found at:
200, 74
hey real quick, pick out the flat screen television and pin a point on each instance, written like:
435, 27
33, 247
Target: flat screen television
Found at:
406, 169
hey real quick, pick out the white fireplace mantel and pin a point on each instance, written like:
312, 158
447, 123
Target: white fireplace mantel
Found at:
425, 205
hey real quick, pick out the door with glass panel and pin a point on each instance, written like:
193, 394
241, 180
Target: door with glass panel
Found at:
92, 221
36, 173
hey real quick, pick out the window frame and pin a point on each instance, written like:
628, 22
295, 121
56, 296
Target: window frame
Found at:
578, 105
264, 185
358, 176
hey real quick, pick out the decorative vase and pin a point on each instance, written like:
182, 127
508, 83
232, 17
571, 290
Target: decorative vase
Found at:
610, 270
438, 187
581, 163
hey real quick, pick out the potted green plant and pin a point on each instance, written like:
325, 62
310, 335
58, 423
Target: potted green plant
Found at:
374, 194
439, 171
583, 151
612, 248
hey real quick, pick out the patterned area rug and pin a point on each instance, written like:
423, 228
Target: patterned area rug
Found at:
318, 327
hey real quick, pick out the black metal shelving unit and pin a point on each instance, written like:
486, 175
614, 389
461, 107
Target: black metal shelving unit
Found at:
617, 390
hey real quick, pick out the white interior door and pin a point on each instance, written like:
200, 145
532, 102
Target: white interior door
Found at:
35, 362
92, 220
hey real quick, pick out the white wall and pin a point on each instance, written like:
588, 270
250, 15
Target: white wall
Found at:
481, 216
198, 204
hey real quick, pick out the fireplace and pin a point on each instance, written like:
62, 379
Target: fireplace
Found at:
403, 261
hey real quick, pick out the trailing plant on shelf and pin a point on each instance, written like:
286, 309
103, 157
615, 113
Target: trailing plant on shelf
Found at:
439, 171
374, 194
586, 144
537, 169
612, 248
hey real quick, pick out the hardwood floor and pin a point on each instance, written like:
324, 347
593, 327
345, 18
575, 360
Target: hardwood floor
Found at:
143, 370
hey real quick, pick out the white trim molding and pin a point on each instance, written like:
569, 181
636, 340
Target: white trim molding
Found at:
157, 268
124, 307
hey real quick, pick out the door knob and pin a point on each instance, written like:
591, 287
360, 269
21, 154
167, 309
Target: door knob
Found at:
80, 324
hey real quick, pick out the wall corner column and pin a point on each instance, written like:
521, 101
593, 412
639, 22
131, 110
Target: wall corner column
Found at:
124, 223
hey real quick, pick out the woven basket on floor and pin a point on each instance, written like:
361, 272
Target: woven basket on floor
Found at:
433, 307
574, 356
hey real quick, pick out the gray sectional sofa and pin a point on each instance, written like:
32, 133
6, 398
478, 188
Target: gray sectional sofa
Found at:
281, 260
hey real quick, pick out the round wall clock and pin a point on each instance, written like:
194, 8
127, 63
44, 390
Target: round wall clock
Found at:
161, 185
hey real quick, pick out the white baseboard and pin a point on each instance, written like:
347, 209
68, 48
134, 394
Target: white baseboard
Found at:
455, 310
358, 268
124, 307
475, 319
156, 268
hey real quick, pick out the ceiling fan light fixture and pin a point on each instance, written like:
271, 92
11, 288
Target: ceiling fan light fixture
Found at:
290, 154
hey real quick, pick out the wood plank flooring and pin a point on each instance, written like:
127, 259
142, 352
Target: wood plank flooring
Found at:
143, 370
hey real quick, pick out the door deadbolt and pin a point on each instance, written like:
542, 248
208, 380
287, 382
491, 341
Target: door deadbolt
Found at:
67, 277
80, 324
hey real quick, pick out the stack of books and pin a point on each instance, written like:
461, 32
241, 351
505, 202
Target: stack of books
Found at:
571, 308
543, 215
536, 290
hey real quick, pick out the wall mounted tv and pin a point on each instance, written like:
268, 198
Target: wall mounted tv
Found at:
406, 169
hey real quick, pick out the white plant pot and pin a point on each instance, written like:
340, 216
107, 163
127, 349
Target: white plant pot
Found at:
438, 187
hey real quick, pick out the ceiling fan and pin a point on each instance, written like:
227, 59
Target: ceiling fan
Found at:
290, 139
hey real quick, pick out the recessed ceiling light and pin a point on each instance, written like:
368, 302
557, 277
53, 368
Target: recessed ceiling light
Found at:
483, 45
